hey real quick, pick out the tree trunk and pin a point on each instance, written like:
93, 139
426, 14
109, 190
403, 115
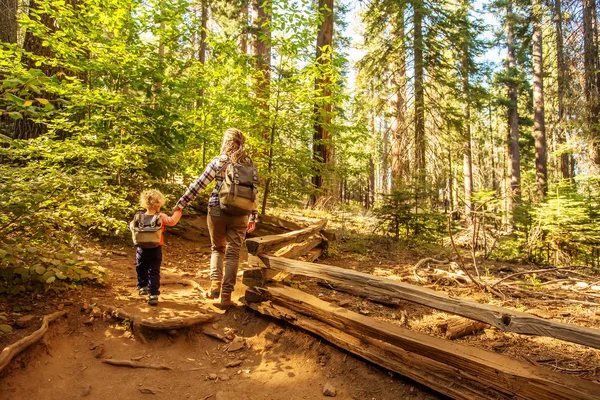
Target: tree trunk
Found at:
398, 104
202, 49
561, 88
244, 28
262, 52
321, 145
8, 21
419, 97
514, 193
467, 153
591, 66
371, 193
384, 160
539, 126
26, 128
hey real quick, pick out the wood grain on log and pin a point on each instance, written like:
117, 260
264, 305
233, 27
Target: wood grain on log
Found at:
359, 291
265, 243
296, 250
11, 351
453, 369
502, 318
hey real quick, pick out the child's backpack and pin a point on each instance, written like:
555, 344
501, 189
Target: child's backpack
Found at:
238, 192
147, 230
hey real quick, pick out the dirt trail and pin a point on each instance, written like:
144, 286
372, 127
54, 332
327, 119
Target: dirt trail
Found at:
279, 362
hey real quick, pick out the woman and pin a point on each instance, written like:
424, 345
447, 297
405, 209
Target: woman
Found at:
227, 231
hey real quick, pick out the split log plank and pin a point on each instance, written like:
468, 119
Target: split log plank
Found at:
360, 292
502, 318
296, 250
480, 371
265, 243
11, 351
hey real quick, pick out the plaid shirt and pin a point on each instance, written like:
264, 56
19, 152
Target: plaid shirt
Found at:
215, 170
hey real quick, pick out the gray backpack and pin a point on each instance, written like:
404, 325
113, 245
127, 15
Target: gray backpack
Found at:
147, 230
239, 190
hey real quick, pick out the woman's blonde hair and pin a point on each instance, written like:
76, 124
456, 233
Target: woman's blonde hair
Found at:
152, 199
234, 145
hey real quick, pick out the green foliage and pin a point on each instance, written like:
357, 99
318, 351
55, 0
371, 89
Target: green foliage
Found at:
24, 268
398, 215
565, 226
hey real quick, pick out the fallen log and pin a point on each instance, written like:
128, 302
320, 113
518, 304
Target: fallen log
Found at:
261, 276
502, 318
456, 370
296, 250
360, 292
266, 243
11, 351
457, 327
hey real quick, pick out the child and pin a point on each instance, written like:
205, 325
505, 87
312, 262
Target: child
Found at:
148, 260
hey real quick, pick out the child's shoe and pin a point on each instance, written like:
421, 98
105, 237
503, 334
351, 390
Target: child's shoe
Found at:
143, 291
153, 299
226, 303
214, 291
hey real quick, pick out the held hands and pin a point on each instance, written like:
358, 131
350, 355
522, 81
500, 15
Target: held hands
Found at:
251, 226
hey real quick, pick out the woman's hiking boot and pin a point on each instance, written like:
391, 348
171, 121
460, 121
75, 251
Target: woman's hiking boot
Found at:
225, 303
214, 291
153, 299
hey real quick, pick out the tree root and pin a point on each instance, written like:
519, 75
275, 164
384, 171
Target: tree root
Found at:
9, 352
162, 324
134, 364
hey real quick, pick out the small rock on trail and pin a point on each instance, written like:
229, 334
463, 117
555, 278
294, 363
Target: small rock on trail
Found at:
25, 321
329, 390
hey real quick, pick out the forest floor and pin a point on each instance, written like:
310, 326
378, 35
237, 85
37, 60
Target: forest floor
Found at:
278, 361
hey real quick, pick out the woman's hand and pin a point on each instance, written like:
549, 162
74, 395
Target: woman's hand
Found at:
251, 226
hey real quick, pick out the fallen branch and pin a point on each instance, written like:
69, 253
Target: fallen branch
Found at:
460, 259
535, 271
134, 364
423, 261
9, 352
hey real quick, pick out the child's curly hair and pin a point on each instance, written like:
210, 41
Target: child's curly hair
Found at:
152, 198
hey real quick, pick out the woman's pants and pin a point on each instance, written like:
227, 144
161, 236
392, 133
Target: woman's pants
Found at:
227, 234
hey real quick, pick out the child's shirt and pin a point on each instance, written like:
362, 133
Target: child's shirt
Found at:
165, 221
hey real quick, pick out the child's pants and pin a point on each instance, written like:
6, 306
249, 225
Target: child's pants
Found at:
227, 234
148, 268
